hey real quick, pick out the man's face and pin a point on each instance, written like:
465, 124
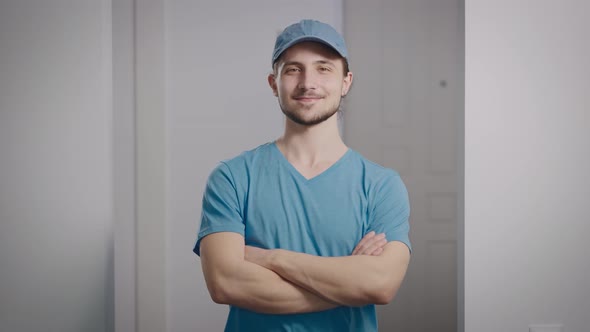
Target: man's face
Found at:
309, 81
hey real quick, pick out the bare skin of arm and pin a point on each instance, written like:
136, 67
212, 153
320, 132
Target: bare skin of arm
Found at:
231, 279
354, 280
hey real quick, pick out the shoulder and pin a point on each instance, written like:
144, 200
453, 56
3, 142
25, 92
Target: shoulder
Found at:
377, 179
250, 156
239, 166
372, 171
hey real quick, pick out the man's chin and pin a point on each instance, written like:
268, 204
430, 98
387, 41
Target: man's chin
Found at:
308, 122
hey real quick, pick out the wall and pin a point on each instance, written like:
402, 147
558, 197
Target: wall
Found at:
527, 186
55, 166
124, 164
151, 163
218, 104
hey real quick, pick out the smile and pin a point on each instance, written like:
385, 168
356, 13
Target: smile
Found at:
307, 99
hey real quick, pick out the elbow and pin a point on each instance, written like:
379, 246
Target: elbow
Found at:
384, 292
383, 296
218, 293
218, 297
387, 285
371, 292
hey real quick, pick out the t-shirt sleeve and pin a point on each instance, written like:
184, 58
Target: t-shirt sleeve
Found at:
390, 211
221, 209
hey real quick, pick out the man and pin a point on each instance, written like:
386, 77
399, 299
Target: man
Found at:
303, 233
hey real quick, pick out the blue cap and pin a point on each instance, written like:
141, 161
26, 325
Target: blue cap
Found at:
309, 30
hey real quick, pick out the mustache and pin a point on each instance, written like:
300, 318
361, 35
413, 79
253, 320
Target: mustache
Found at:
308, 95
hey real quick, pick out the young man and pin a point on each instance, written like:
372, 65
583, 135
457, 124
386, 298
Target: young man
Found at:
303, 233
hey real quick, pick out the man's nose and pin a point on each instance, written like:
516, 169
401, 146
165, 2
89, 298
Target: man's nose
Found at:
307, 80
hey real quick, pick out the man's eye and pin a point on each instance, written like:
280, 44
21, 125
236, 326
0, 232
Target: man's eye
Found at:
291, 70
324, 69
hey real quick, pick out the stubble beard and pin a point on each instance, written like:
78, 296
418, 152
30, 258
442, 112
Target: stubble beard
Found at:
297, 116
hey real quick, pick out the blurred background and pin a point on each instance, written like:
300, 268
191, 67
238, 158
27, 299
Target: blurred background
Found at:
113, 113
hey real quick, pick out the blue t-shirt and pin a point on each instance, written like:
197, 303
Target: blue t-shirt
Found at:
261, 196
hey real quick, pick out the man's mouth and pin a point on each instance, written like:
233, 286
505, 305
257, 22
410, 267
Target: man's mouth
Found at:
307, 98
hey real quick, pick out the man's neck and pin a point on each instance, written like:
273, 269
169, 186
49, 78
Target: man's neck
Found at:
312, 146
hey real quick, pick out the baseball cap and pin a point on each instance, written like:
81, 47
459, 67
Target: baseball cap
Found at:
309, 30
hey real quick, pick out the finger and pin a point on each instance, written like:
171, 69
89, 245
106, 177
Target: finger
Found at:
377, 243
377, 246
377, 251
363, 242
370, 245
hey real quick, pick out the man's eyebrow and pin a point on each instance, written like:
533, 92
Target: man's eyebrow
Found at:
317, 62
291, 63
324, 62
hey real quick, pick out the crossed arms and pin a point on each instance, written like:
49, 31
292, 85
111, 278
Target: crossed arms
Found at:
280, 281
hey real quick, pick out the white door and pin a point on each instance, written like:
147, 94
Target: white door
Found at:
404, 112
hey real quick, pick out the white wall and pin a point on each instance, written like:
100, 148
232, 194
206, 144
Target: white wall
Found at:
218, 104
527, 185
151, 163
55, 166
124, 165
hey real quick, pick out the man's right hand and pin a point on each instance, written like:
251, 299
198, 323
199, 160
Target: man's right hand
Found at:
371, 244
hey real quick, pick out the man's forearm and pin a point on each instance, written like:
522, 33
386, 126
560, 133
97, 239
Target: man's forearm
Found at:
258, 289
350, 280
232, 280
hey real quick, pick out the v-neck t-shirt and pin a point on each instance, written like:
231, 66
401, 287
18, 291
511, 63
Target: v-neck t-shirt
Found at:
261, 196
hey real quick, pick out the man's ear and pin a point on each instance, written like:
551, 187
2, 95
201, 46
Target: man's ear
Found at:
347, 83
273, 84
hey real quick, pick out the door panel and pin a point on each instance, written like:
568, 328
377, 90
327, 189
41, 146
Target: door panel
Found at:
403, 112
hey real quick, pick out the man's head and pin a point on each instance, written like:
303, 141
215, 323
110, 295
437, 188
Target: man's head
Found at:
310, 71
310, 30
